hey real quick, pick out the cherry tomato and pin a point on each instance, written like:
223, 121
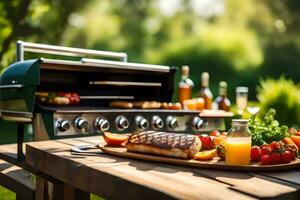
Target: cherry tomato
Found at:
215, 133
265, 159
275, 146
60, 94
265, 149
286, 157
275, 157
255, 153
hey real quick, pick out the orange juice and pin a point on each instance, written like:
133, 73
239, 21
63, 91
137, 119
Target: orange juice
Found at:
238, 150
190, 104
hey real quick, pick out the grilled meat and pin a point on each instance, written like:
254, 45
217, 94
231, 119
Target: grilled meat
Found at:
164, 144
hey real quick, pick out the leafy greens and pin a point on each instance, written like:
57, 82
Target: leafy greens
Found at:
266, 129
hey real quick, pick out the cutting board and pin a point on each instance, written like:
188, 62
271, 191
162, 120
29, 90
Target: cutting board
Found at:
215, 163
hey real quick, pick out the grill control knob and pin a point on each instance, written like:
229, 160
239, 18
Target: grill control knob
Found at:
157, 122
62, 125
198, 123
102, 124
81, 123
172, 122
122, 122
141, 122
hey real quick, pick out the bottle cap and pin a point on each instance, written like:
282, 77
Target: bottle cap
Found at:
241, 122
241, 89
205, 79
223, 84
185, 70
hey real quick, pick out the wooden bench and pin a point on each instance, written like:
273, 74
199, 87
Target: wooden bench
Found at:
17, 180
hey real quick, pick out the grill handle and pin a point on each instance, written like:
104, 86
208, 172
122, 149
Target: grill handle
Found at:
65, 51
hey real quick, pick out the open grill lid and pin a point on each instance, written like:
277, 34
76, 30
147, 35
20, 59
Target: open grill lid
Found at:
92, 78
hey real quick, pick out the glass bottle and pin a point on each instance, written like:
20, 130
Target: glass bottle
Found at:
238, 143
222, 102
241, 99
205, 92
185, 85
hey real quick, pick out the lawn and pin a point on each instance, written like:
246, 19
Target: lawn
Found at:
6, 194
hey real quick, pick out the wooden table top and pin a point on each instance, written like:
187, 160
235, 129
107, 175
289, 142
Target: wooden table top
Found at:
115, 178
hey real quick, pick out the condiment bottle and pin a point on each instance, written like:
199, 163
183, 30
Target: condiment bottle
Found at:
238, 143
185, 85
222, 101
205, 92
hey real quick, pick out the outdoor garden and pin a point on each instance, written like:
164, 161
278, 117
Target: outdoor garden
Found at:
250, 43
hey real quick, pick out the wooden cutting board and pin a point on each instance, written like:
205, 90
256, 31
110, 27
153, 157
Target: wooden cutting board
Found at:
215, 163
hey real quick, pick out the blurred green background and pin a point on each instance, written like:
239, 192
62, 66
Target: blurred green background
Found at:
249, 43
246, 43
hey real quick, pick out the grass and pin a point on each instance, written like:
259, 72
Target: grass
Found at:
6, 194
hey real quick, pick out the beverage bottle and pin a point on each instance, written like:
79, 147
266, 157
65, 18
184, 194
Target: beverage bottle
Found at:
185, 85
222, 101
238, 143
205, 92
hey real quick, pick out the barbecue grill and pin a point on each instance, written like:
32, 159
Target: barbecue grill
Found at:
98, 82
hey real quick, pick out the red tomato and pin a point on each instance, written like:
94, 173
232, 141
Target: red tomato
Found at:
286, 157
275, 146
68, 95
265, 149
265, 159
209, 143
60, 94
202, 138
255, 153
76, 100
215, 133
298, 133
275, 158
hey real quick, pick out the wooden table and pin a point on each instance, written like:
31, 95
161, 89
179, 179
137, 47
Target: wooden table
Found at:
119, 178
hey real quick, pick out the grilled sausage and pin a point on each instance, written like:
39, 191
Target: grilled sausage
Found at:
121, 104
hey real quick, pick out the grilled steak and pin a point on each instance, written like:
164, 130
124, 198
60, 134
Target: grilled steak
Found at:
164, 144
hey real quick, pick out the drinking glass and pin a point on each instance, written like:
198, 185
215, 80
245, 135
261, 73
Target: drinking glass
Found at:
241, 99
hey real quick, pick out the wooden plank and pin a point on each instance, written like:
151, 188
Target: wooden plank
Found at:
215, 163
289, 176
188, 184
107, 187
17, 180
111, 176
71, 193
252, 184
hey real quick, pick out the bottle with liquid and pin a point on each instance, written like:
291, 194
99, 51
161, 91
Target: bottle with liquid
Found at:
205, 92
185, 85
238, 143
222, 101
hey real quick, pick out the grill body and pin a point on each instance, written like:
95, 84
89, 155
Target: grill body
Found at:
98, 82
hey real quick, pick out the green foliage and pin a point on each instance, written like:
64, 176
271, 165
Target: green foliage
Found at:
6, 194
266, 129
284, 96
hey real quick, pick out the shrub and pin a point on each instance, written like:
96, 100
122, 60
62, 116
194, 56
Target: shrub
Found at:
284, 96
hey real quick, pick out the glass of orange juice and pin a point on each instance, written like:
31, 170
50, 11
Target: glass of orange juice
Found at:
200, 103
190, 104
238, 143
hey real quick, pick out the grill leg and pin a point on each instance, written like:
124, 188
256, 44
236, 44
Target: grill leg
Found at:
20, 135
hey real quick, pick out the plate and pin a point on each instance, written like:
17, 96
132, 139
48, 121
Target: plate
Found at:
215, 163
